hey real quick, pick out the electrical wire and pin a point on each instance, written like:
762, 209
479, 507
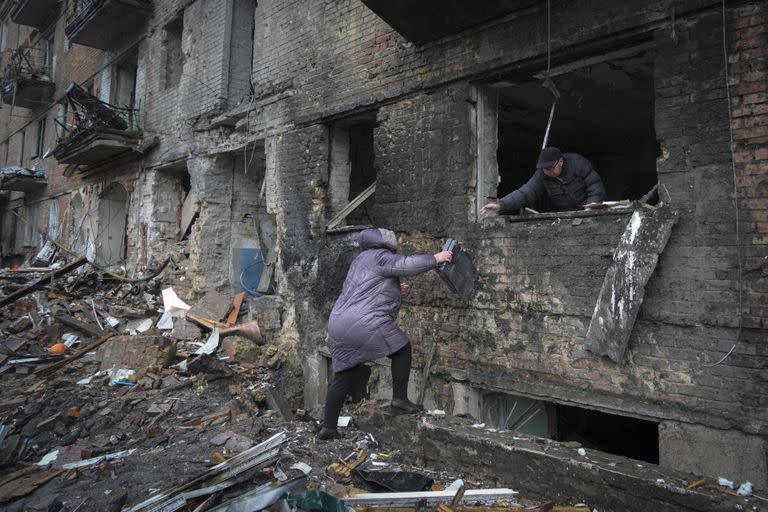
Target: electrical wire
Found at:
735, 196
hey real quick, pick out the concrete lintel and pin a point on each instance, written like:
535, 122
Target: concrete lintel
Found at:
547, 468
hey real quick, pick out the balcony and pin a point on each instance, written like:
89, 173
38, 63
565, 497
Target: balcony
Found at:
105, 24
22, 179
428, 20
95, 131
26, 81
35, 13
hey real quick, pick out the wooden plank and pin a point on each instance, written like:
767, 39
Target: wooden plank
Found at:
232, 318
205, 322
13, 297
11, 491
351, 206
425, 374
80, 326
623, 290
431, 498
188, 212
51, 368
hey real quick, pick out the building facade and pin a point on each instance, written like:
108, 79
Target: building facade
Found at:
262, 135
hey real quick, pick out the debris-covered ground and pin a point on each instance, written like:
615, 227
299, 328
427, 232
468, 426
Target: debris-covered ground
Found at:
118, 395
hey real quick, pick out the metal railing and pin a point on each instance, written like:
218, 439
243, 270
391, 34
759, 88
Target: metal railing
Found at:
25, 62
75, 8
87, 112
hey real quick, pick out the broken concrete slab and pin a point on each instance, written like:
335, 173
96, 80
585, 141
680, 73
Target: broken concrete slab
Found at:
621, 295
213, 306
608, 482
137, 352
183, 329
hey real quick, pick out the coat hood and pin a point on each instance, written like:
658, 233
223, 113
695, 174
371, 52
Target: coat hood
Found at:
378, 238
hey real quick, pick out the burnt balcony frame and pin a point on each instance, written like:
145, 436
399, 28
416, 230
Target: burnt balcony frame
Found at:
96, 131
105, 24
26, 80
35, 13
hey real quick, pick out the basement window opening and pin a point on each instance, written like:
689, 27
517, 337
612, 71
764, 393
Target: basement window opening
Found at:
611, 433
352, 173
605, 113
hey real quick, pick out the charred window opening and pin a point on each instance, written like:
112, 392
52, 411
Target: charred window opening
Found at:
241, 50
124, 79
174, 57
610, 433
254, 230
112, 214
605, 113
352, 171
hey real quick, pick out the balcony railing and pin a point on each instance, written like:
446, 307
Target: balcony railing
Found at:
26, 80
105, 24
95, 130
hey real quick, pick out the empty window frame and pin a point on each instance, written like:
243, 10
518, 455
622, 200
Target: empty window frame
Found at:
605, 113
352, 171
39, 147
611, 433
174, 56
124, 81
18, 140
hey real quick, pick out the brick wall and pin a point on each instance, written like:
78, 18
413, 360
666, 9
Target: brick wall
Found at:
748, 79
523, 331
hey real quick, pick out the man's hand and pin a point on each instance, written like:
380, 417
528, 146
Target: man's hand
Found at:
404, 287
444, 256
487, 209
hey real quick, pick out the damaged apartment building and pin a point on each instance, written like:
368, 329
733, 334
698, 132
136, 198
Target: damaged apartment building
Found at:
259, 137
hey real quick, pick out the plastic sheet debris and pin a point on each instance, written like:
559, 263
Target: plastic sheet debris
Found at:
724, 482
121, 376
303, 467
88, 380
745, 489
211, 345
316, 500
391, 481
261, 497
582, 452
343, 421
478, 425
48, 458
436, 412
138, 325
70, 339
99, 459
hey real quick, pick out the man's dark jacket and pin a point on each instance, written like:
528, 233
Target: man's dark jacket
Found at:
577, 185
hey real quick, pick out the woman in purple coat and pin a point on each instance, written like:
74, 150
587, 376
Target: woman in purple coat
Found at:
362, 324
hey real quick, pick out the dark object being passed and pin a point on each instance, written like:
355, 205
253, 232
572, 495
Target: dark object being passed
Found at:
391, 481
459, 274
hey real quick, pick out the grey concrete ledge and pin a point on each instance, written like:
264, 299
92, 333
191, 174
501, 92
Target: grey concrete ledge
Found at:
547, 468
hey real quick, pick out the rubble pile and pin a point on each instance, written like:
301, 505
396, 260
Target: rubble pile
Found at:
118, 395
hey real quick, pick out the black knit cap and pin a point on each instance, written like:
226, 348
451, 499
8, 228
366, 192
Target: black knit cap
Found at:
548, 157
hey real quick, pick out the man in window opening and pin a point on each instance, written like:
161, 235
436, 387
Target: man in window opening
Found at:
569, 180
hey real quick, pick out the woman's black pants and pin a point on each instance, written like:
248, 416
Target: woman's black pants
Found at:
344, 383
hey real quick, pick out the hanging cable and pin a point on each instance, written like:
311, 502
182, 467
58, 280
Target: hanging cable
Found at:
735, 197
548, 83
